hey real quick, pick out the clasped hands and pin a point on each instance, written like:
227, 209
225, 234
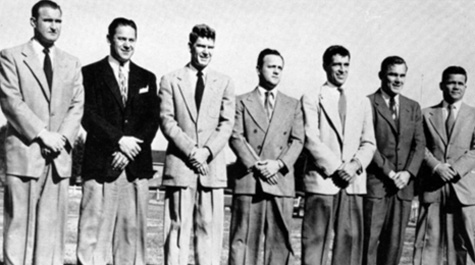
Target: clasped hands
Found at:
267, 170
129, 147
52, 143
400, 179
345, 174
446, 172
198, 159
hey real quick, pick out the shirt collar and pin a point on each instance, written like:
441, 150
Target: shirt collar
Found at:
457, 104
38, 48
194, 71
262, 91
116, 64
386, 97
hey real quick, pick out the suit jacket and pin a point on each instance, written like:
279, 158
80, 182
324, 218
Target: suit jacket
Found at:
326, 146
458, 151
256, 138
400, 147
106, 119
185, 128
29, 107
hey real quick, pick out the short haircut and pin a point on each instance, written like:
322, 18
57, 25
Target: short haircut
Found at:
390, 61
120, 21
43, 3
334, 50
453, 70
264, 53
202, 31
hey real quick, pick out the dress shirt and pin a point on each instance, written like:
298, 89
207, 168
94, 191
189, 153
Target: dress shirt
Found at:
387, 98
445, 109
38, 48
262, 95
115, 67
193, 74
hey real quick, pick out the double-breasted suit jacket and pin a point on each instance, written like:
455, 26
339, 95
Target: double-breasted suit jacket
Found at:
458, 151
107, 119
185, 127
400, 147
328, 147
30, 106
255, 138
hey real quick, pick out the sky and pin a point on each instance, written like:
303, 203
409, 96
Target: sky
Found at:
430, 35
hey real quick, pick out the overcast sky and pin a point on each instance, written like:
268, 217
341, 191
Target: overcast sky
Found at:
430, 35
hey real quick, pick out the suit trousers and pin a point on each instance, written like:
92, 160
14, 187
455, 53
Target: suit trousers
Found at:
342, 213
254, 216
445, 233
385, 222
113, 222
193, 207
35, 218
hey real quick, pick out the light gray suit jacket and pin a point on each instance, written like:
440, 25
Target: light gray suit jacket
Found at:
458, 151
185, 128
254, 138
30, 107
325, 143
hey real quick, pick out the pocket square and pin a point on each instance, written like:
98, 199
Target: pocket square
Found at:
143, 90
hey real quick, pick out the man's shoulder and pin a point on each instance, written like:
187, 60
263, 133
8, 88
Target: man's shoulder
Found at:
218, 75
66, 56
288, 98
140, 70
410, 101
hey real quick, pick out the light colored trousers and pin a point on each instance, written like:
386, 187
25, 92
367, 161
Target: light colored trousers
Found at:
200, 209
35, 217
113, 222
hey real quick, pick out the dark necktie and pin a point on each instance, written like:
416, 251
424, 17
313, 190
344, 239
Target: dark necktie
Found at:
449, 123
393, 108
200, 87
47, 67
342, 107
268, 104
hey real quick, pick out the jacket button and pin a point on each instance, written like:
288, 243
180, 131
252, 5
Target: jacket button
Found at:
285, 133
126, 121
255, 130
259, 147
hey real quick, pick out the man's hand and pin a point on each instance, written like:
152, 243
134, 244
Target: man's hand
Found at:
53, 141
199, 156
446, 172
119, 161
129, 145
268, 169
401, 179
347, 171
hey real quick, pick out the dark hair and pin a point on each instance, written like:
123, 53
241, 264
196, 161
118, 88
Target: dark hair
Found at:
332, 51
120, 21
451, 70
264, 53
391, 60
202, 31
43, 3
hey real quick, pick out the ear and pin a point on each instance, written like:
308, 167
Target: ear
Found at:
258, 70
380, 75
441, 86
190, 45
108, 39
33, 22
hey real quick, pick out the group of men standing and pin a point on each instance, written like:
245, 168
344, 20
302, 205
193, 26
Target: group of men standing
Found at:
365, 158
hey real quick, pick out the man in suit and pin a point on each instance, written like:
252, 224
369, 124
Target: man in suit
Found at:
446, 226
340, 144
400, 149
121, 119
267, 139
197, 117
42, 97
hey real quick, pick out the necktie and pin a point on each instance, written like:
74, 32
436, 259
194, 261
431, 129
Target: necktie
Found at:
342, 107
449, 123
200, 87
393, 108
123, 84
48, 68
268, 104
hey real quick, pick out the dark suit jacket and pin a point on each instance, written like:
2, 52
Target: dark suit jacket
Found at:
106, 119
400, 147
254, 138
458, 151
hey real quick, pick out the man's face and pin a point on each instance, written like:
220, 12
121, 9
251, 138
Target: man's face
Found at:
201, 52
122, 44
271, 71
392, 80
47, 26
453, 88
337, 70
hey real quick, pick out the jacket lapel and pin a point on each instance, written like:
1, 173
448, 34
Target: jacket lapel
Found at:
436, 118
330, 107
256, 110
281, 110
404, 115
111, 81
463, 115
133, 84
383, 109
209, 91
31, 60
187, 90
